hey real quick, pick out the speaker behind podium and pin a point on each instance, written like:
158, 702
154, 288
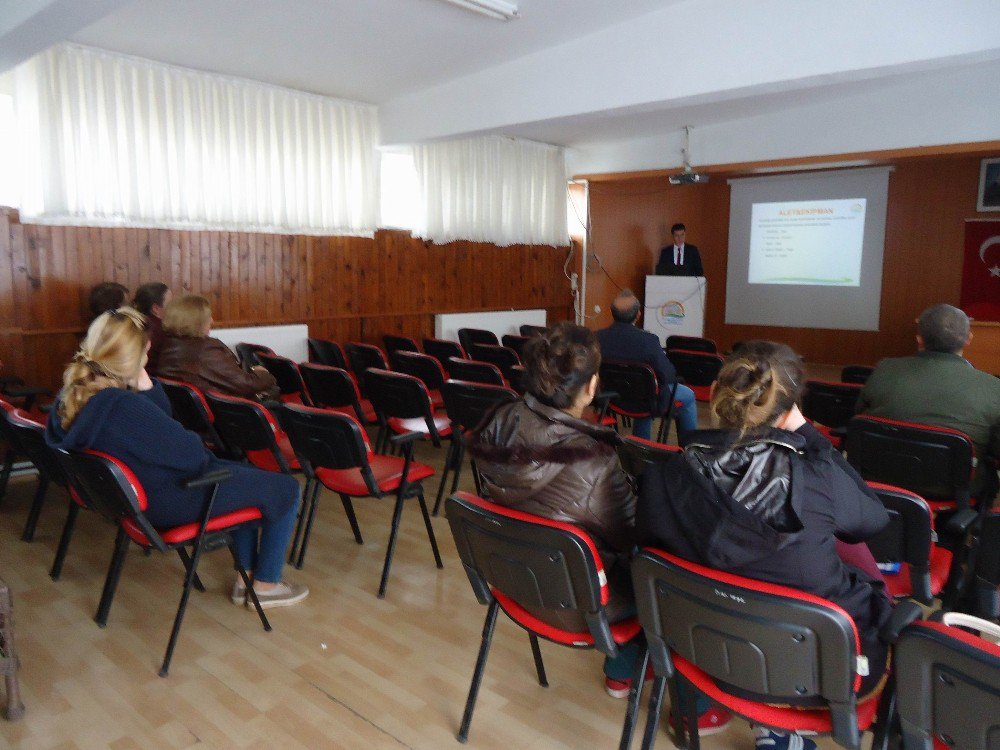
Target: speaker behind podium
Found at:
675, 306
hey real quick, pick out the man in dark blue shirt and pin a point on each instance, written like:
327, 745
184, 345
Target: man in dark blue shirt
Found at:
624, 340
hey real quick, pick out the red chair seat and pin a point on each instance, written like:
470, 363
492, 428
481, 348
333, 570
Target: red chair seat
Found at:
898, 584
388, 471
622, 631
418, 424
437, 400
291, 398
264, 459
188, 531
702, 392
367, 410
781, 717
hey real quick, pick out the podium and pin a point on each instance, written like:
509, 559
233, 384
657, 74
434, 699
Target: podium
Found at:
675, 306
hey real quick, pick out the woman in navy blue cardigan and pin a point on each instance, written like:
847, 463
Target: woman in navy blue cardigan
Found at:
108, 403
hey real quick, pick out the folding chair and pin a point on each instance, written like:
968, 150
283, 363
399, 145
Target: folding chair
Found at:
335, 388
425, 368
856, 374
191, 409
948, 684
467, 405
699, 370
474, 372
754, 648
399, 344
691, 344
501, 356
362, 357
442, 349
469, 336
636, 393
291, 387
248, 354
530, 330
403, 405
111, 488
515, 342
830, 406
249, 428
521, 563
327, 353
637, 455
334, 453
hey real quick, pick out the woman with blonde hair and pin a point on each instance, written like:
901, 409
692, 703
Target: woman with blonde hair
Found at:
108, 403
188, 353
767, 497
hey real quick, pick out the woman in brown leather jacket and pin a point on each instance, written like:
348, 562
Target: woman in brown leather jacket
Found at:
540, 456
188, 353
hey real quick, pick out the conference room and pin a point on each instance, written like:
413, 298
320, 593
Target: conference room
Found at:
357, 191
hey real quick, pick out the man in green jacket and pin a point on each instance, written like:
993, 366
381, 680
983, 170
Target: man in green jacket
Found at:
938, 386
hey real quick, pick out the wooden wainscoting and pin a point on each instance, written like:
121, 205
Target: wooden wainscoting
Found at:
343, 288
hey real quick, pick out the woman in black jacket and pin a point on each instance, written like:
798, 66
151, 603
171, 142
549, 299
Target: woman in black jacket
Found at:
767, 497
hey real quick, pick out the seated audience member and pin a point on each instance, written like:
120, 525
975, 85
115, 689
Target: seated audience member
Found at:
190, 354
108, 295
109, 403
151, 299
541, 457
729, 501
938, 386
624, 340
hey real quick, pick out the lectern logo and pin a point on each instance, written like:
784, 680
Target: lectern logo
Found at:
671, 313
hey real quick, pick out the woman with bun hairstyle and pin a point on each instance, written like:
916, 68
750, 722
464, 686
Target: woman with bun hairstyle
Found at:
108, 403
540, 456
767, 497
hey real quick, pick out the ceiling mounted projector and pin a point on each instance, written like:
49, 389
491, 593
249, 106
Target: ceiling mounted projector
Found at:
688, 176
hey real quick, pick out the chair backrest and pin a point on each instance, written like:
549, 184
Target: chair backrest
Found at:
332, 387
468, 404
422, 366
501, 356
189, 406
248, 353
697, 368
907, 538
691, 344
362, 357
395, 343
934, 462
396, 395
286, 374
638, 454
948, 687
529, 330
327, 353
469, 336
830, 404
635, 385
325, 439
856, 374
474, 372
534, 561
29, 437
772, 641
106, 485
986, 569
515, 342
246, 426
442, 349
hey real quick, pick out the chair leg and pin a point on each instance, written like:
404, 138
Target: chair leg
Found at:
653, 715
886, 716
477, 675
309, 524
536, 652
67, 534
248, 584
8, 466
677, 721
634, 696
352, 518
430, 529
186, 559
192, 573
456, 475
694, 736
114, 574
391, 546
449, 461
36, 510
300, 525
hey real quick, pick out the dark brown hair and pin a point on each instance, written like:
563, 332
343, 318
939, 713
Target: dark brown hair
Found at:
108, 295
560, 363
758, 383
148, 295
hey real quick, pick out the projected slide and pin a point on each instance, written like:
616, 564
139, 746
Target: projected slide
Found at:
807, 242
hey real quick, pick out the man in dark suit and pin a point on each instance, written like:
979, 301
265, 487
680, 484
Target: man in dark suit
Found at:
623, 340
679, 259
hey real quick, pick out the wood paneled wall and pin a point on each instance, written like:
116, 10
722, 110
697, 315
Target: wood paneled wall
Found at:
929, 200
343, 288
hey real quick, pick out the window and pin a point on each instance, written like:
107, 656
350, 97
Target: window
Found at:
400, 201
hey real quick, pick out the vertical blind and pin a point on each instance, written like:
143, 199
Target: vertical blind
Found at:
491, 189
115, 140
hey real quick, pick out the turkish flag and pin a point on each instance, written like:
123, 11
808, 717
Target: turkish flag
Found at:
981, 270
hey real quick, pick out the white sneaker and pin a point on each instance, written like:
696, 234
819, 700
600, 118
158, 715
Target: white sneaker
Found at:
239, 595
283, 594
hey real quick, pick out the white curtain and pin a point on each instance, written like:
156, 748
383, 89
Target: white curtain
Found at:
108, 139
492, 189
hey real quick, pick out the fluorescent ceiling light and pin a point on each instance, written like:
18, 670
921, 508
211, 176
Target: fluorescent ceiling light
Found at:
499, 9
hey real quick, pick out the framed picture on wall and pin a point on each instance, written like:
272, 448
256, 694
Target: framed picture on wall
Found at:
989, 185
